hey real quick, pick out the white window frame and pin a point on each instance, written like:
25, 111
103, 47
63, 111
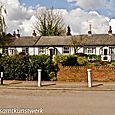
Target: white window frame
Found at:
66, 50
5, 51
25, 50
42, 50
90, 50
12, 51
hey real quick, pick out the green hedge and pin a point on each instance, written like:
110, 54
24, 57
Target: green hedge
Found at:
94, 58
21, 67
67, 60
71, 60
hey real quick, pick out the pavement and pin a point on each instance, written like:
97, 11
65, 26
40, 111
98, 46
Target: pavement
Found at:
57, 85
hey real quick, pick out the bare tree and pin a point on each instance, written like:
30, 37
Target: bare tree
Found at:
49, 23
2, 20
77, 42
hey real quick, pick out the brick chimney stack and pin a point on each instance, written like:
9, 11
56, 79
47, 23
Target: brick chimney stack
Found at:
18, 33
89, 32
110, 31
34, 33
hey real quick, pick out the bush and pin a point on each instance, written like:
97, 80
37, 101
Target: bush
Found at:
21, 67
71, 60
94, 58
113, 63
82, 61
40, 62
96, 64
67, 60
15, 67
105, 63
52, 76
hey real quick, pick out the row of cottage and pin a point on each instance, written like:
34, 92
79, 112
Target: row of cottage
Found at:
99, 44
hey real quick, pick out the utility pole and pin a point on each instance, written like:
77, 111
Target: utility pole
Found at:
2, 20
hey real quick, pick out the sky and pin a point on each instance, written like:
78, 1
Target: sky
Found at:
78, 14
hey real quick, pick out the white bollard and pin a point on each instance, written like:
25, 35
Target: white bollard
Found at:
39, 77
89, 78
1, 79
1, 74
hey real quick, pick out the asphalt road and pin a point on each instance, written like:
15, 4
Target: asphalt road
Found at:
58, 102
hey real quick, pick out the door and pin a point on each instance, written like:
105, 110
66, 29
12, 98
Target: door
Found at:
105, 51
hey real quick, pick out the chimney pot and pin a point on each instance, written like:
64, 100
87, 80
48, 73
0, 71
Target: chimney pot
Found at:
34, 33
89, 32
18, 33
110, 30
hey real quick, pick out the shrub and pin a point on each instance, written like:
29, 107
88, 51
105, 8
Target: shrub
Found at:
96, 64
94, 57
113, 63
10, 66
52, 76
40, 62
67, 60
82, 61
21, 67
104, 63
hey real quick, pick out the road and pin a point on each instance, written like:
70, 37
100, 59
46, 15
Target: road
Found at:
59, 102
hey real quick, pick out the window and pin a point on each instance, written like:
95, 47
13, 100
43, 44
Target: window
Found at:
105, 58
12, 51
25, 50
105, 51
90, 50
113, 50
41, 50
65, 49
5, 51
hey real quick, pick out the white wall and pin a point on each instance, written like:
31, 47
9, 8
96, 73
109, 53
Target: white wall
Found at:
108, 58
19, 49
31, 51
36, 51
1, 50
98, 50
59, 50
80, 50
47, 51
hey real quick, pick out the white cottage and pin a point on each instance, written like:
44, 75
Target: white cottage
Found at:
99, 44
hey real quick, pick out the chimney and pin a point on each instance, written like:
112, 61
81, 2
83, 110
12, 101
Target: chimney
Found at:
68, 31
89, 32
18, 33
34, 33
110, 31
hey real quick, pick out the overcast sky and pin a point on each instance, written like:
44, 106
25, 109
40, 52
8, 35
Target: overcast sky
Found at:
78, 14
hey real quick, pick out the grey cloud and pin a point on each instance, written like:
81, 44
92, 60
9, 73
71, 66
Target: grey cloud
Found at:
18, 17
79, 21
92, 4
23, 17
